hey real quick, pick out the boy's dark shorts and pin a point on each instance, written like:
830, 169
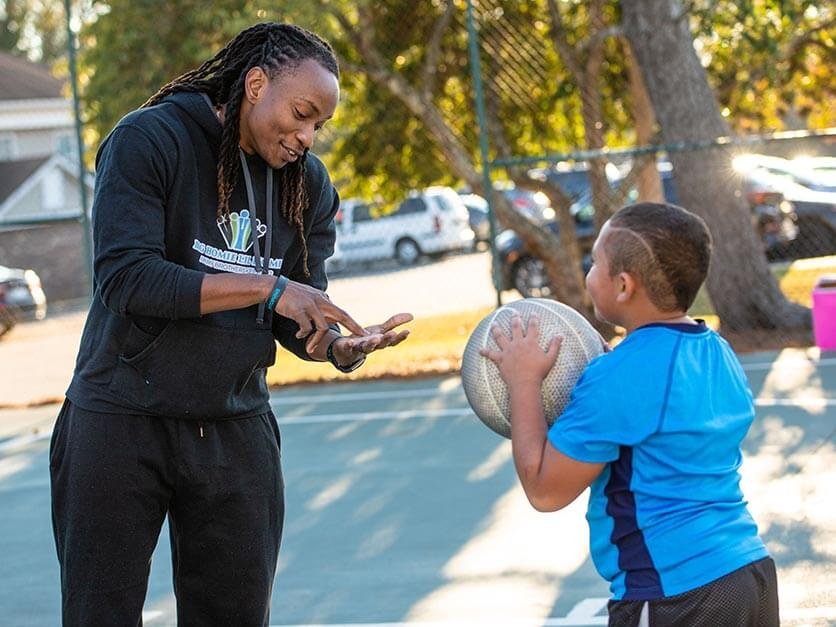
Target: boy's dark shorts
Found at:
747, 597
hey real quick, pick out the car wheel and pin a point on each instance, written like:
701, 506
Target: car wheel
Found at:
407, 252
531, 279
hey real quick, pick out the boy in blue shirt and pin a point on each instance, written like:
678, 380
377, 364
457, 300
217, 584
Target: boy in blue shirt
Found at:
654, 429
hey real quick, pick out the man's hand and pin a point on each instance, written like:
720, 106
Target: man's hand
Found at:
350, 348
311, 309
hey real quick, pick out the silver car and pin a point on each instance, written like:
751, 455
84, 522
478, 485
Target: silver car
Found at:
21, 294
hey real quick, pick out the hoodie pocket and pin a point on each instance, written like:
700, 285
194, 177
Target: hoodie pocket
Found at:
193, 370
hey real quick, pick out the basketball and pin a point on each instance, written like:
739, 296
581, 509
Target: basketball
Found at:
485, 389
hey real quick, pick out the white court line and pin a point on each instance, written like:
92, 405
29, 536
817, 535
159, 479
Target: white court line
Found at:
279, 399
457, 413
26, 440
806, 613
575, 618
805, 401
23, 440
583, 614
375, 415
546, 622
788, 363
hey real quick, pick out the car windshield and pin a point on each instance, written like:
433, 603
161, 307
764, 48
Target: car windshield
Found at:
449, 201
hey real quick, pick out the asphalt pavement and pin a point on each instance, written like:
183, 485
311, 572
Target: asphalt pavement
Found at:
402, 508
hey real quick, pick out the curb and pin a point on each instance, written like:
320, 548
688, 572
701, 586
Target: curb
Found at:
38, 402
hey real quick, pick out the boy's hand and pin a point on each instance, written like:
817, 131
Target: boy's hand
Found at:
519, 358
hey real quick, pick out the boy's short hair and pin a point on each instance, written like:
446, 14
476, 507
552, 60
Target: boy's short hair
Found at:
665, 247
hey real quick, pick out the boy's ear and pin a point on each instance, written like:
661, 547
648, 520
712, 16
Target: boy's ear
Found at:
626, 287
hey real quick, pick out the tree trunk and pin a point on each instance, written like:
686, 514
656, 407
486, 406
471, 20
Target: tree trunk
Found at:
593, 125
649, 182
561, 256
555, 252
744, 292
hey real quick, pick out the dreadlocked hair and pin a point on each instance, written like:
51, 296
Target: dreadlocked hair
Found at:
275, 48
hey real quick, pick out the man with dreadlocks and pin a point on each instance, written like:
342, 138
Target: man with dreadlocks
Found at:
212, 223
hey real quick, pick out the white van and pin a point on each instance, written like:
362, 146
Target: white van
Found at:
431, 222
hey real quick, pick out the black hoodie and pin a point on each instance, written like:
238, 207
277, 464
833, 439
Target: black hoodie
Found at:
145, 348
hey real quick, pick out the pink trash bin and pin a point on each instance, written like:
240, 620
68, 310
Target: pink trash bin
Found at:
824, 312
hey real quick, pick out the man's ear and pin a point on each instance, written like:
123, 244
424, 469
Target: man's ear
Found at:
254, 84
626, 287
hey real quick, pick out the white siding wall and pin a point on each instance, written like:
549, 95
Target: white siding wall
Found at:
36, 143
55, 196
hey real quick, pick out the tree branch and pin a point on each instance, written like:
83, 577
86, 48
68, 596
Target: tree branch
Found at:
619, 194
598, 38
806, 37
430, 69
561, 41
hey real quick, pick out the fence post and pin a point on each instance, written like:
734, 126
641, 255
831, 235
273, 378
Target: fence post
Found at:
476, 73
82, 173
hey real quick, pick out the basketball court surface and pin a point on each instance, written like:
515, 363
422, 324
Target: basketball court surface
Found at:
403, 508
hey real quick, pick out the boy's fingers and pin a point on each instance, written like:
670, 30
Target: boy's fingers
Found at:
492, 355
516, 327
554, 346
533, 325
499, 336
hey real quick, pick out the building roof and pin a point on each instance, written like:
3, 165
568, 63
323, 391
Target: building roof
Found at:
23, 80
14, 173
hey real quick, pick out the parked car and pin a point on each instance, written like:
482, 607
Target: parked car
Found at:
431, 222
815, 173
535, 205
336, 262
477, 210
772, 217
823, 170
519, 269
809, 185
573, 178
21, 294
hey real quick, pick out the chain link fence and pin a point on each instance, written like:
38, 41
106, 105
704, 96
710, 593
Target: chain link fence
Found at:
537, 67
556, 99
549, 98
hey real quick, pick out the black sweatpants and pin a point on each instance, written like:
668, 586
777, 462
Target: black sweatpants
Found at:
114, 479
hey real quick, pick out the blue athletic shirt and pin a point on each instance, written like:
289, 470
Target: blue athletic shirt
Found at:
667, 411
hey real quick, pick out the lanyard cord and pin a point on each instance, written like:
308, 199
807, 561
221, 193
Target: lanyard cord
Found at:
262, 264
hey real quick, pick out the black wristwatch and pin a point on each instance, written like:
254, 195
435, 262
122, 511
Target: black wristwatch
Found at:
329, 354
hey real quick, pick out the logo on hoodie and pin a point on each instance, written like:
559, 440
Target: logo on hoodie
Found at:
237, 230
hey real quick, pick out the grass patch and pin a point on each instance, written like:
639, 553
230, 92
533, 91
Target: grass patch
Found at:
435, 346
436, 343
795, 278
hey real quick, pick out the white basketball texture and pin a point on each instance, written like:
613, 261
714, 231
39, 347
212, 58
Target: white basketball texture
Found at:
486, 391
